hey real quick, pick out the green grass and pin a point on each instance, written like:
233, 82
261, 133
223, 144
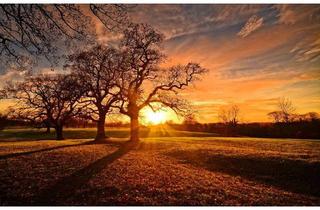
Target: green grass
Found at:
89, 133
189, 169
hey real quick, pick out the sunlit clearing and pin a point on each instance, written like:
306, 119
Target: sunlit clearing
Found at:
155, 118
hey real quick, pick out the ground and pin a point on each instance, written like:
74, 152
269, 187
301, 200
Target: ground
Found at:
165, 168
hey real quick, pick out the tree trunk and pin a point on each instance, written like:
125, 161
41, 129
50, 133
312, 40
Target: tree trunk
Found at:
59, 132
101, 128
47, 125
48, 129
134, 126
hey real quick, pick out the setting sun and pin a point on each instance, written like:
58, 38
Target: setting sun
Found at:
154, 118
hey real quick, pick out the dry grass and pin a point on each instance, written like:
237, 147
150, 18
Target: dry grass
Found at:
161, 171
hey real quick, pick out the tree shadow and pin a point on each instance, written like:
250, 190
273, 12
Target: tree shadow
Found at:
291, 175
11, 155
65, 187
108, 141
20, 140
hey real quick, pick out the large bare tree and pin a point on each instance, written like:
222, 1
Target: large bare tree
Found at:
47, 97
144, 83
33, 30
98, 70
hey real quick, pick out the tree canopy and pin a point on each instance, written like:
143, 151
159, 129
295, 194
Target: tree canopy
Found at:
32, 31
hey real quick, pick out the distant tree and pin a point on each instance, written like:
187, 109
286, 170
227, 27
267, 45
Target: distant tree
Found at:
312, 116
229, 115
34, 119
286, 108
53, 98
98, 70
33, 30
307, 117
276, 116
77, 122
144, 83
285, 112
190, 119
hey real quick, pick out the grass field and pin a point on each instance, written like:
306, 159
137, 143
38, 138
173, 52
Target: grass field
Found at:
89, 133
165, 168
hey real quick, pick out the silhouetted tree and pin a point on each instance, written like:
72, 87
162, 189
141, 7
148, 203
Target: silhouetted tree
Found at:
98, 70
190, 119
312, 116
286, 108
229, 115
47, 97
141, 47
307, 117
285, 112
113, 16
28, 30
276, 116
34, 119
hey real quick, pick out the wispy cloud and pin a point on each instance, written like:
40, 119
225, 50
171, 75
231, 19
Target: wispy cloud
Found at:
307, 49
179, 20
253, 24
291, 14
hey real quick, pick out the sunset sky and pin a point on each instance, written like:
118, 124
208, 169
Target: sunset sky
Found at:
255, 54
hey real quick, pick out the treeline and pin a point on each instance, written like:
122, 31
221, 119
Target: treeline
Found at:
297, 129
7, 122
286, 123
304, 128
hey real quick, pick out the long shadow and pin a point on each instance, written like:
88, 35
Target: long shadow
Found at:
21, 140
66, 186
40, 150
291, 175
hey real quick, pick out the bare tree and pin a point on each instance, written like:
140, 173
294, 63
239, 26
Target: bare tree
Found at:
47, 97
98, 70
141, 47
113, 16
285, 112
32, 117
229, 115
190, 119
30, 105
33, 30
286, 108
